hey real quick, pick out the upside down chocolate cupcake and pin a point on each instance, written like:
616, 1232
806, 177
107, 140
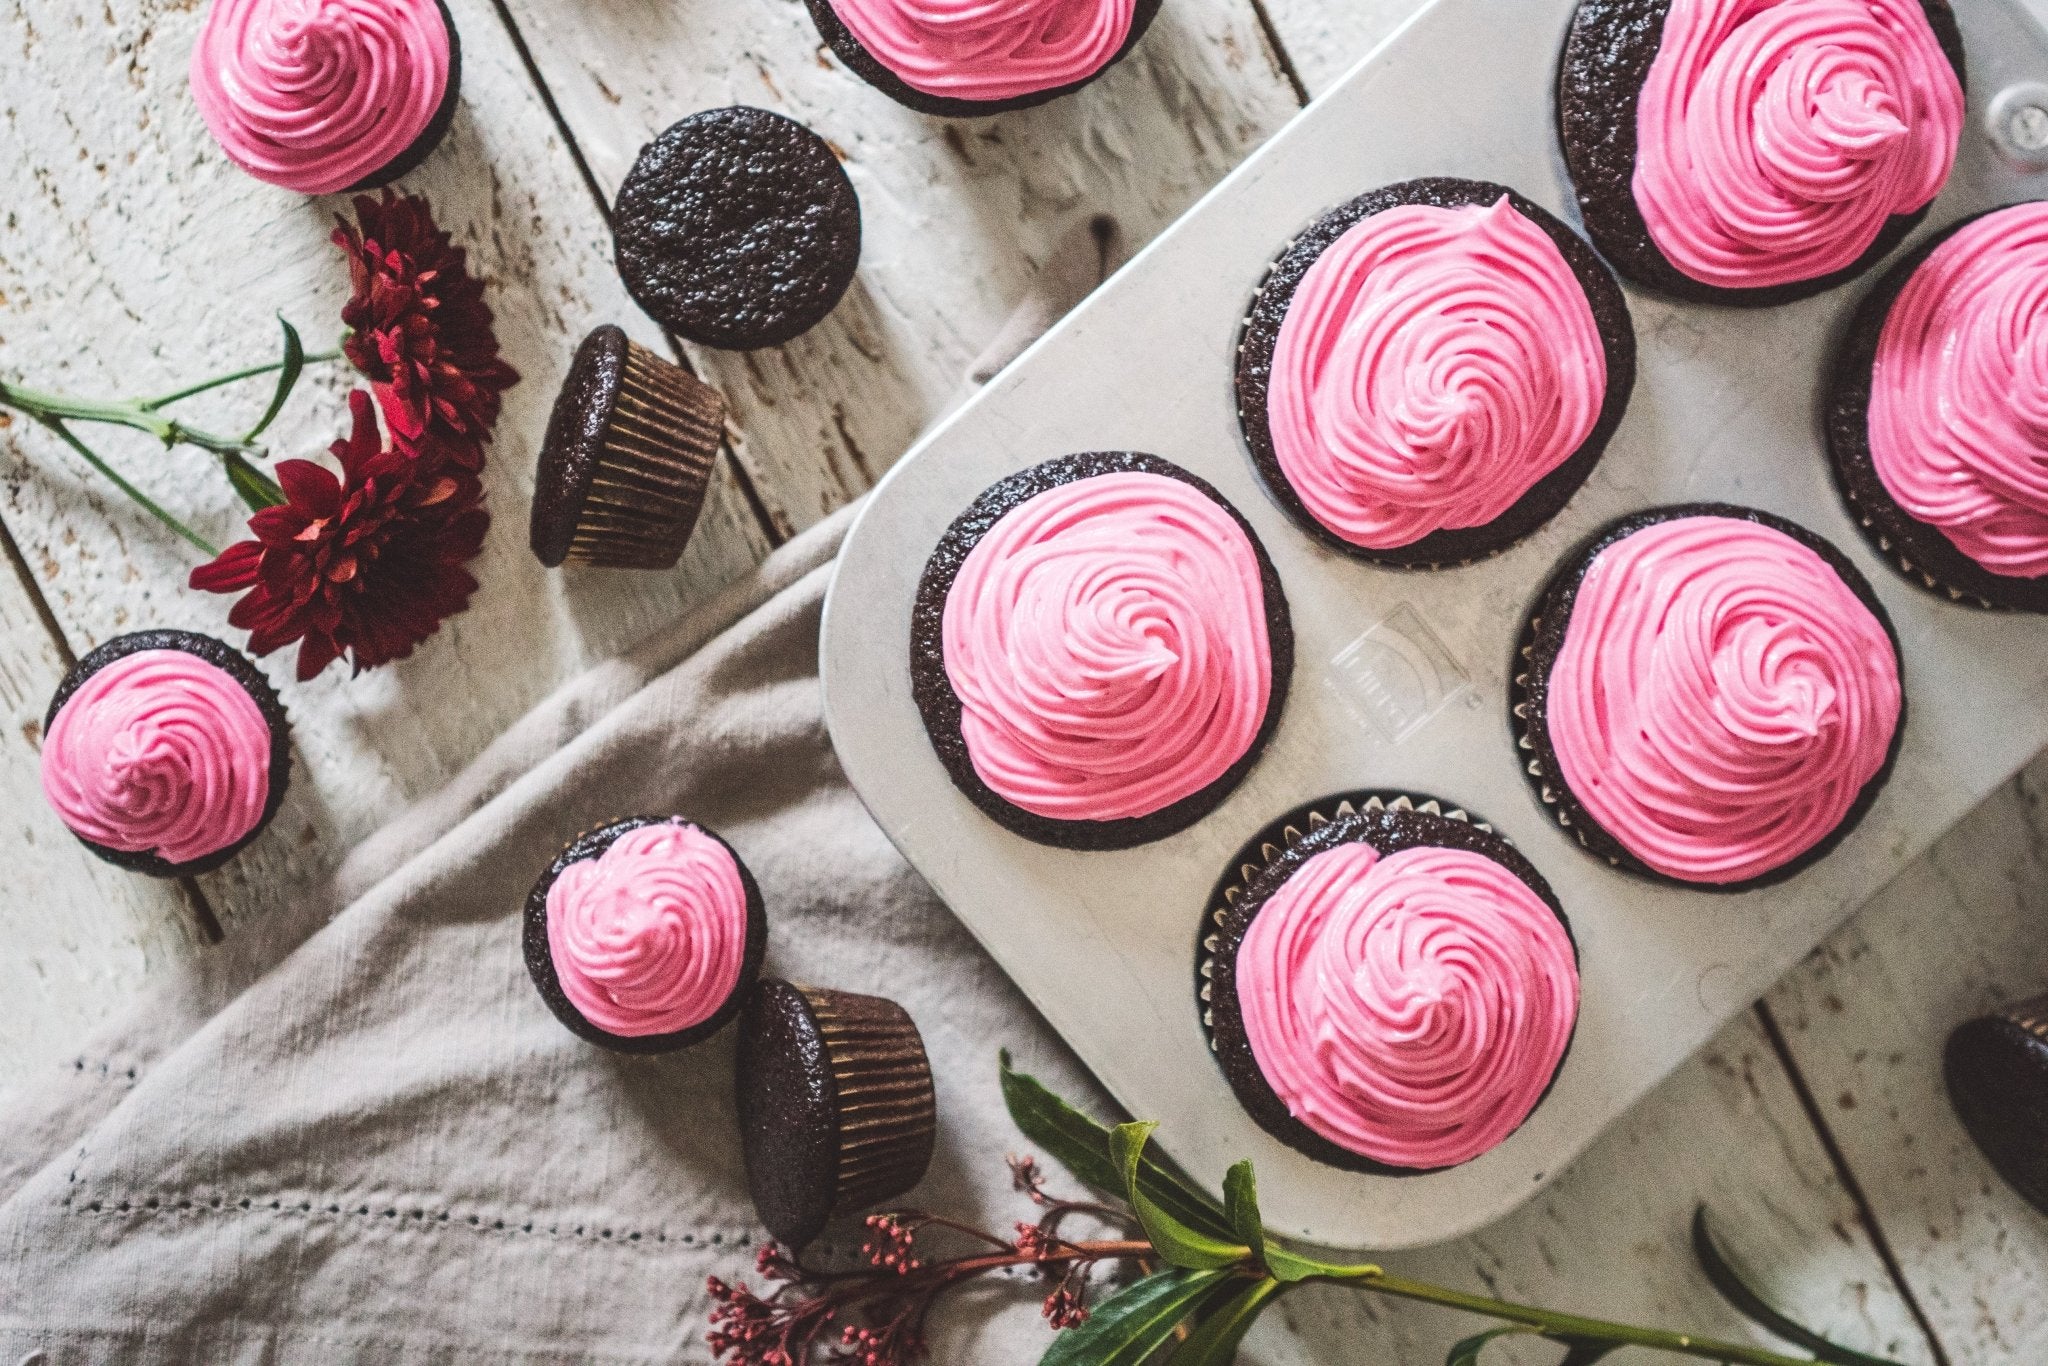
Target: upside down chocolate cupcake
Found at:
836, 1105
1708, 695
1757, 151
644, 936
1938, 412
1099, 650
962, 58
1431, 371
629, 452
165, 752
1389, 986
324, 97
737, 228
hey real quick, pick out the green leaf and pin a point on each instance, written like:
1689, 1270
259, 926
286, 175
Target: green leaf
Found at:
256, 489
1466, 1353
1218, 1334
294, 362
1736, 1289
1175, 1242
1081, 1145
1135, 1322
1241, 1205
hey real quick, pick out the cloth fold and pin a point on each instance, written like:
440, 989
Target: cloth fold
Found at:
356, 1133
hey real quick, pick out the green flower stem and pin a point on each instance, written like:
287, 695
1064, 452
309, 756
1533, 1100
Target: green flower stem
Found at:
221, 381
1562, 1327
142, 499
116, 412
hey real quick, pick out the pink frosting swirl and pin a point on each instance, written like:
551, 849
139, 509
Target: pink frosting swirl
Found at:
989, 49
1721, 697
1959, 392
650, 936
1107, 640
316, 95
159, 752
1433, 365
1774, 138
1411, 1008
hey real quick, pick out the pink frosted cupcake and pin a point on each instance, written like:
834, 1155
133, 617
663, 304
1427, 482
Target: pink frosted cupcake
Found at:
165, 752
644, 936
1388, 985
321, 96
962, 58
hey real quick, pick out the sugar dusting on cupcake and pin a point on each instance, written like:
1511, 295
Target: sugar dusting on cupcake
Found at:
320, 96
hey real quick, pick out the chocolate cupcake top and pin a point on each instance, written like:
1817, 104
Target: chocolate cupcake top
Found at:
1758, 150
323, 97
1105, 627
1404, 984
1430, 371
1958, 410
165, 750
642, 934
1718, 695
738, 228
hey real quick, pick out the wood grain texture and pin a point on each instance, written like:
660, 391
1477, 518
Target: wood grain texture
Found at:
134, 258
1325, 39
1958, 933
956, 215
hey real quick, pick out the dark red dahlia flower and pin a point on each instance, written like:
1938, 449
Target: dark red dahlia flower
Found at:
419, 328
366, 565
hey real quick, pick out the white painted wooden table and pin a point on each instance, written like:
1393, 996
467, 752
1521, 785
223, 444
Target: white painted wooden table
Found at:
131, 256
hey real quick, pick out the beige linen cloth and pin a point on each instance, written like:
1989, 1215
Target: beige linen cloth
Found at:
359, 1135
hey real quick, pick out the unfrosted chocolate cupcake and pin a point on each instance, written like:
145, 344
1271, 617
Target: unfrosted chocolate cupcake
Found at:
1100, 649
628, 455
1937, 413
836, 1106
738, 229
1708, 695
1388, 985
1996, 1069
958, 64
1429, 372
166, 752
645, 936
1766, 152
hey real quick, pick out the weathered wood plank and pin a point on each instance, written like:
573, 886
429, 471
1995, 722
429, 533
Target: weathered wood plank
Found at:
135, 257
1325, 39
1958, 933
956, 215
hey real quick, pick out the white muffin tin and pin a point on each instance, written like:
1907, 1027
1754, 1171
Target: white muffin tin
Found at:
1401, 677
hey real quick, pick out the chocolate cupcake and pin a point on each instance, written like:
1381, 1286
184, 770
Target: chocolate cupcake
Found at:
836, 1106
1756, 154
324, 98
166, 752
629, 452
1996, 1068
645, 936
738, 229
1429, 372
970, 60
1937, 412
1387, 984
1100, 649
1708, 696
